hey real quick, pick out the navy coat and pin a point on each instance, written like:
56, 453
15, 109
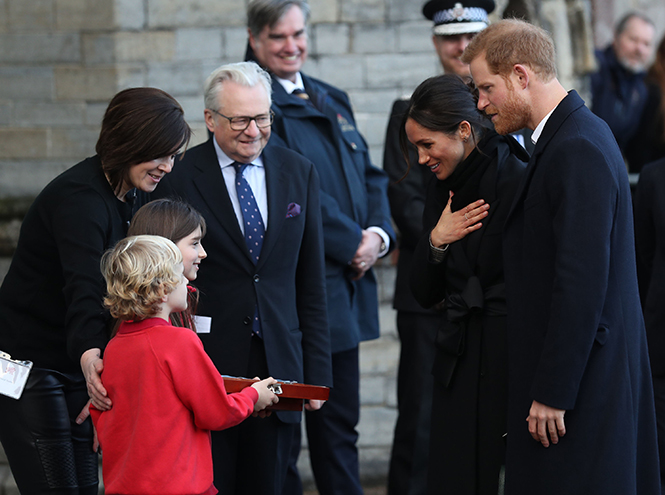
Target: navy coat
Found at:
353, 197
287, 283
575, 327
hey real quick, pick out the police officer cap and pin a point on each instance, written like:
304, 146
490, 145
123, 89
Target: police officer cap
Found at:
458, 17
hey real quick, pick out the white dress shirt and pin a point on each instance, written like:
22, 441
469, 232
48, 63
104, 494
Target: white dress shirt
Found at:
254, 174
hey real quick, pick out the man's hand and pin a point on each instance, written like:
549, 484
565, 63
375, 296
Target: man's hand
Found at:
367, 253
92, 366
543, 420
314, 405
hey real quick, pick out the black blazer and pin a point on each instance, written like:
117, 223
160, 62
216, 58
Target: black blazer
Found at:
51, 299
288, 283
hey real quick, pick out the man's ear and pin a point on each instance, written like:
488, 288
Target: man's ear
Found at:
521, 75
209, 120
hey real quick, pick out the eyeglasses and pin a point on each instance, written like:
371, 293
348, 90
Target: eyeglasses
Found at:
242, 123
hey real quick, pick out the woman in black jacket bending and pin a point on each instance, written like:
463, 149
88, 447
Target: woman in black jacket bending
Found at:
458, 265
51, 300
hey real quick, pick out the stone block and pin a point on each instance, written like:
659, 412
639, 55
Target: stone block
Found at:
388, 320
376, 154
378, 356
23, 144
374, 101
386, 272
4, 268
35, 15
235, 43
330, 39
85, 83
405, 10
26, 178
6, 112
195, 13
415, 36
98, 48
181, 79
27, 113
343, 71
363, 11
130, 76
401, 71
374, 463
3, 456
198, 44
25, 49
26, 82
9, 232
144, 46
199, 133
372, 127
75, 143
324, 11
94, 113
193, 107
88, 15
372, 390
129, 14
376, 426
374, 38
9, 484
4, 18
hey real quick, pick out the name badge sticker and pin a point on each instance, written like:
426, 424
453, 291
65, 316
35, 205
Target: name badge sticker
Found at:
203, 323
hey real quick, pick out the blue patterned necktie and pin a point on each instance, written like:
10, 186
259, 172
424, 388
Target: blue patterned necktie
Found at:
253, 225
252, 221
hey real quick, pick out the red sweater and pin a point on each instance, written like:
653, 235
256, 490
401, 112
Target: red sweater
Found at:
167, 396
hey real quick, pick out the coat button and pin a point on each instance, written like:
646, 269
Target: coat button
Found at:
247, 320
256, 278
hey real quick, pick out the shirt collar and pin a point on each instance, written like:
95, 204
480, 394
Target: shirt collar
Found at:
290, 86
539, 128
225, 161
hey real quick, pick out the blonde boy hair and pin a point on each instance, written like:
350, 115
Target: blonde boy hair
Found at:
139, 271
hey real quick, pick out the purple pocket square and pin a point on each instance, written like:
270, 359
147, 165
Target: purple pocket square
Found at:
293, 210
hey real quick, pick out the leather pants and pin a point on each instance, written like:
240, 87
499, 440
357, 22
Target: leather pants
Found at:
48, 452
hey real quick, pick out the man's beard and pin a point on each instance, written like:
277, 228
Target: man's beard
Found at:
513, 116
632, 65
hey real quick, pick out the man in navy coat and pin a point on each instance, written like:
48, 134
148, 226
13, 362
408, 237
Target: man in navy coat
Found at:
262, 313
581, 412
316, 120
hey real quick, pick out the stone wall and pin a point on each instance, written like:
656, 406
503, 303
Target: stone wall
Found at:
61, 61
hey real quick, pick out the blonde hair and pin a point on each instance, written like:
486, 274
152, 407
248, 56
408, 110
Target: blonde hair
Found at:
510, 42
139, 271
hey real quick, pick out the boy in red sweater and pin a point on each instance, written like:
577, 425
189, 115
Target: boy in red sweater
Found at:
167, 394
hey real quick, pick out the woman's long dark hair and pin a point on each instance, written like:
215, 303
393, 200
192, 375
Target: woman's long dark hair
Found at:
441, 104
175, 220
140, 124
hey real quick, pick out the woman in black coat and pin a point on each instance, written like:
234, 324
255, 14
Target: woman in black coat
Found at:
457, 266
51, 299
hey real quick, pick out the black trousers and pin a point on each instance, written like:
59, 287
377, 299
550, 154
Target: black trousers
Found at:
410, 451
331, 431
252, 457
48, 452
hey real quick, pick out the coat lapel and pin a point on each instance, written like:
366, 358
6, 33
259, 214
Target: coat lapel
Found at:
569, 104
277, 186
210, 184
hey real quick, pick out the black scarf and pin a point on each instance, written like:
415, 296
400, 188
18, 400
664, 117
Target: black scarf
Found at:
465, 180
